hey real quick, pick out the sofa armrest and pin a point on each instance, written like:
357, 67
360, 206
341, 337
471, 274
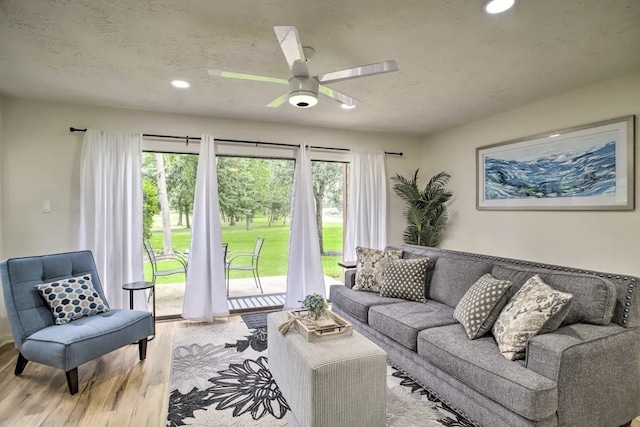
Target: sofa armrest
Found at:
597, 370
350, 277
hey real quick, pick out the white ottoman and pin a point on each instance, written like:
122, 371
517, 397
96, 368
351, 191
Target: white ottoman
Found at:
338, 381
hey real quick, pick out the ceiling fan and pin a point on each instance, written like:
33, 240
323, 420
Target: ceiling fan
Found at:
303, 88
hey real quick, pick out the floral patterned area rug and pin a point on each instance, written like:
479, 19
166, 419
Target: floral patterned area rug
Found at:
220, 377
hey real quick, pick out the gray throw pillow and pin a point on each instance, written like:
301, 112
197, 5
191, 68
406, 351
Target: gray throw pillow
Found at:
526, 314
71, 299
481, 304
404, 278
370, 267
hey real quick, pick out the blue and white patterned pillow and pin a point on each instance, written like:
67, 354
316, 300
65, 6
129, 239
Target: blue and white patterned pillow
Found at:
72, 298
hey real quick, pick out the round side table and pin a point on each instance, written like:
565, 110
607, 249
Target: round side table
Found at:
142, 286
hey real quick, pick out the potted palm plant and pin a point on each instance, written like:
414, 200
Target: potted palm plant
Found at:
425, 210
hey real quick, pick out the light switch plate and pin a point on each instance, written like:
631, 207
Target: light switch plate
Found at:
46, 206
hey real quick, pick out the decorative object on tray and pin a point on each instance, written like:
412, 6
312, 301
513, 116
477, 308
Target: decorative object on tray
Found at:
284, 328
316, 305
329, 325
588, 167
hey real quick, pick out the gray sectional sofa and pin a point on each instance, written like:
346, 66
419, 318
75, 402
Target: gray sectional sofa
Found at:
586, 373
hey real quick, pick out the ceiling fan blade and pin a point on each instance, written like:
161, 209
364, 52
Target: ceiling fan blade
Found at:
338, 96
361, 71
232, 75
278, 101
292, 49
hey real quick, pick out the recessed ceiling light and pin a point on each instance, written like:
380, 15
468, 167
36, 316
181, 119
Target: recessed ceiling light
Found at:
180, 84
554, 135
347, 106
498, 6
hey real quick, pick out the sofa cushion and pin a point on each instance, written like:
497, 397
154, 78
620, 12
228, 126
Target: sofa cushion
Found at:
524, 316
403, 321
357, 303
452, 277
370, 267
481, 304
72, 344
404, 278
479, 364
594, 298
72, 298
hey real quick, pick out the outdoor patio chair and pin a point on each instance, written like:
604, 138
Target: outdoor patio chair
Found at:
225, 249
65, 346
155, 259
235, 262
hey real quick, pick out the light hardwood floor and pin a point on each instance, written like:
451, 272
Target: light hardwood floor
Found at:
115, 389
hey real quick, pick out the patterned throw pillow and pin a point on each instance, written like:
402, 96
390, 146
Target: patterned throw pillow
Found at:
404, 278
526, 314
481, 304
71, 299
370, 267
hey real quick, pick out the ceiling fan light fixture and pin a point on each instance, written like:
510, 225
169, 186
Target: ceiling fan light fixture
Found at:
303, 92
498, 6
304, 88
303, 99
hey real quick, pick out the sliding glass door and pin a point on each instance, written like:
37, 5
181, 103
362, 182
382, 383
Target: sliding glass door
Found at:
255, 208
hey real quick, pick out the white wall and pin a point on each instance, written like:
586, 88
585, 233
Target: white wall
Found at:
608, 241
41, 161
4, 324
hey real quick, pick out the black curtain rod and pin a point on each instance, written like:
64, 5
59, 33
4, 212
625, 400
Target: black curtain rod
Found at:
242, 141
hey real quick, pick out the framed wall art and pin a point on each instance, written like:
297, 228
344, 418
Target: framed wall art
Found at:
588, 167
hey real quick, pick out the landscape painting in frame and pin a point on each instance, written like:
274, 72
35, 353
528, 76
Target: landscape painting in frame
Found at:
589, 167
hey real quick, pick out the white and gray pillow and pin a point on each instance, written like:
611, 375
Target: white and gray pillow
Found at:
72, 298
594, 297
370, 267
481, 304
526, 314
404, 278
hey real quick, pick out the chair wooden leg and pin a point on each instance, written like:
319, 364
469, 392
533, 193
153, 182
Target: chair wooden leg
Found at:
142, 348
20, 364
72, 380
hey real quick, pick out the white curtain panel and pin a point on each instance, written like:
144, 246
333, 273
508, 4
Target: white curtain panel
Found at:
367, 203
111, 211
205, 295
305, 275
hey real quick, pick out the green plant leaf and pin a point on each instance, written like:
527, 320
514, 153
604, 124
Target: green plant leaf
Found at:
426, 210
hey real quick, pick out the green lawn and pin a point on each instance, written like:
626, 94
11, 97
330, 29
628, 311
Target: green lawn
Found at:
274, 254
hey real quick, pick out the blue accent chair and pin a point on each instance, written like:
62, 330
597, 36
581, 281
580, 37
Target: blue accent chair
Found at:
66, 346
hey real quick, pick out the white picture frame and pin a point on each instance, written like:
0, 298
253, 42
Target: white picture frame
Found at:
588, 167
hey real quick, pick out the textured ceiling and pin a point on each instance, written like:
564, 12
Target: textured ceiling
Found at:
456, 63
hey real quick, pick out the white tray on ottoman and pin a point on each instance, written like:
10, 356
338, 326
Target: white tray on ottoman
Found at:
333, 382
